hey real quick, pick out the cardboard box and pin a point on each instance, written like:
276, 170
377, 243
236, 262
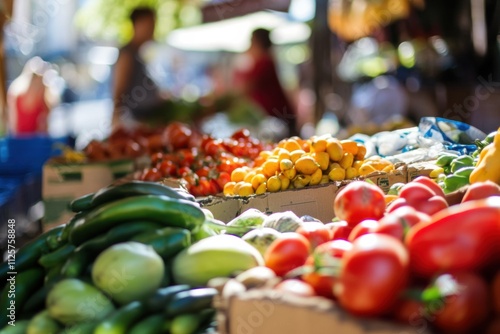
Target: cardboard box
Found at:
264, 311
316, 201
423, 168
63, 182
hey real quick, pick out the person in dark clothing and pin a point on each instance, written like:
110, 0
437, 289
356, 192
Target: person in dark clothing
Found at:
136, 96
260, 82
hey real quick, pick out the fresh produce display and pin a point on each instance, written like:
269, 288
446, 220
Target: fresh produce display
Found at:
204, 163
487, 165
110, 269
296, 163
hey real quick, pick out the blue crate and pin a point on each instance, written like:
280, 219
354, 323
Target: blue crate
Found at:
24, 155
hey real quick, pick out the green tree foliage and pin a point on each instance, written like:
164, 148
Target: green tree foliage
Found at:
109, 19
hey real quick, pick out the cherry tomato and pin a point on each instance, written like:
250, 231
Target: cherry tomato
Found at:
203, 171
431, 184
373, 275
213, 147
286, 253
241, 134
358, 201
156, 158
176, 135
365, 227
151, 174
167, 168
183, 171
296, 287
465, 310
323, 256
339, 230
316, 233
224, 177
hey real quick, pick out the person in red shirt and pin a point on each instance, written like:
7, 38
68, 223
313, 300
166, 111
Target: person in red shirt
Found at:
259, 81
28, 100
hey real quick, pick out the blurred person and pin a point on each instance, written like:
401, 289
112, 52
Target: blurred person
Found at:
136, 96
29, 99
258, 80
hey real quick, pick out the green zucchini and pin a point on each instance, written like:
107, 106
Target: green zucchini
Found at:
162, 297
154, 324
80, 328
191, 301
122, 319
18, 289
56, 257
28, 255
64, 236
161, 209
190, 323
167, 242
136, 188
82, 203
36, 302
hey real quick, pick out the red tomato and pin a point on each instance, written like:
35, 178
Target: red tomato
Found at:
183, 171
411, 312
176, 135
431, 184
156, 158
296, 287
203, 171
481, 190
461, 237
186, 156
286, 253
365, 227
358, 201
151, 174
167, 168
495, 287
324, 256
396, 204
398, 222
213, 147
339, 230
373, 275
241, 134
432, 205
464, 311
415, 193
224, 177
316, 233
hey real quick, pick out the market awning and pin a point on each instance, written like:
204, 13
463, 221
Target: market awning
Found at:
218, 10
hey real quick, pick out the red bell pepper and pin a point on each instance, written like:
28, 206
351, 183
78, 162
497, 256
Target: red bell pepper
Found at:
461, 237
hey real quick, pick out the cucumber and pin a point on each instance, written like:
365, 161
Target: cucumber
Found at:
56, 257
36, 301
28, 255
162, 297
122, 319
82, 203
54, 240
80, 328
136, 188
20, 328
191, 322
64, 236
190, 301
161, 209
167, 242
154, 324
53, 275
76, 264
18, 290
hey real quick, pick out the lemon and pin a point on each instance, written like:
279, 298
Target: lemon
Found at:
261, 189
257, 180
286, 164
322, 158
324, 179
351, 173
306, 165
349, 146
273, 184
318, 145
366, 169
249, 176
283, 154
238, 174
337, 174
316, 177
229, 188
290, 173
347, 160
360, 155
334, 149
270, 167
295, 155
301, 181
245, 189
357, 164
292, 145
285, 181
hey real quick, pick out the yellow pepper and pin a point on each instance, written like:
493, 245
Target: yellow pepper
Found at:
488, 165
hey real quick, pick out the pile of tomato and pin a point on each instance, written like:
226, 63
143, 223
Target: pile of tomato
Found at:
203, 162
431, 266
